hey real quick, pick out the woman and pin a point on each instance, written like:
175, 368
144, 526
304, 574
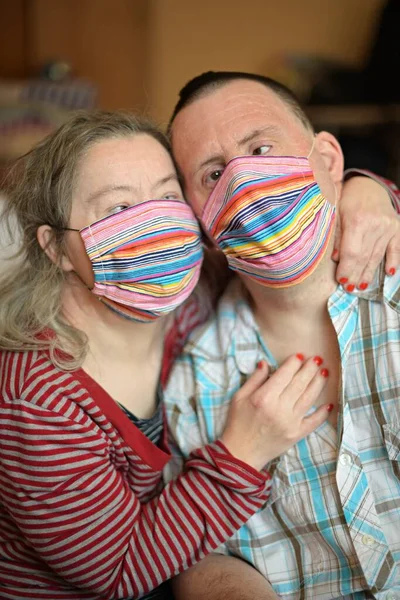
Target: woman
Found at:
82, 513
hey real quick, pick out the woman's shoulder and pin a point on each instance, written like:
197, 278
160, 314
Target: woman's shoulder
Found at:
31, 376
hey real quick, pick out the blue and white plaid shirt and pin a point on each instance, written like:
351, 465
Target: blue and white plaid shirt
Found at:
332, 525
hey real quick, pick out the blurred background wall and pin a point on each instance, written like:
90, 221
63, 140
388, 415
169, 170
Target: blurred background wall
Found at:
140, 52
187, 38
137, 54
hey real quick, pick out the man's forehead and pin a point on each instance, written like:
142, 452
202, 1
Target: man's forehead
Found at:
229, 98
234, 109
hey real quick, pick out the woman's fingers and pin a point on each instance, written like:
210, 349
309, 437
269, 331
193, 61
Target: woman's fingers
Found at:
312, 391
377, 252
351, 251
315, 420
301, 380
281, 379
255, 380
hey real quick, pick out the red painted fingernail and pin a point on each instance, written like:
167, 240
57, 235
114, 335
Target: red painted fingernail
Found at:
318, 360
343, 280
363, 286
329, 408
260, 364
350, 287
392, 271
335, 253
300, 356
324, 372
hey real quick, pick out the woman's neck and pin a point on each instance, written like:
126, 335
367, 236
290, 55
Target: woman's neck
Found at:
110, 335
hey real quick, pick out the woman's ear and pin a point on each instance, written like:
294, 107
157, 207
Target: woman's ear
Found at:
331, 154
45, 237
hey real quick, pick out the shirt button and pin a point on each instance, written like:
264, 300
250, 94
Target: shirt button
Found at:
345, 459
368, 540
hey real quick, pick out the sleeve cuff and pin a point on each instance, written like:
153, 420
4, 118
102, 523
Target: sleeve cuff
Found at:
231, 471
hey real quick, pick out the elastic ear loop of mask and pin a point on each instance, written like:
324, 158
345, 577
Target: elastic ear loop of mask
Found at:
312, 146
98, 257
334, 186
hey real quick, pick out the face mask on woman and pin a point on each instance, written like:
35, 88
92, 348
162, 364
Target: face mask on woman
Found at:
269, 217
146, 259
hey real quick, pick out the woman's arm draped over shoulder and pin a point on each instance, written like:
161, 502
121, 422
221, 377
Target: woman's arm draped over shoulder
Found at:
64, 484
368, 228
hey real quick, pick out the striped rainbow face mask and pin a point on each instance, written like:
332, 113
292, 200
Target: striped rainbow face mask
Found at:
269, 217
146, 259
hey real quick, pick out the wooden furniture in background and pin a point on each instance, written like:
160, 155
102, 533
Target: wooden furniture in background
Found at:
105, 42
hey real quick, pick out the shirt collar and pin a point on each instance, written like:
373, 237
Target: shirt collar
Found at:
235, 325
383, 288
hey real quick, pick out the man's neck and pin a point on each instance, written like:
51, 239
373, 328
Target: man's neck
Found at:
296, 320
296, 311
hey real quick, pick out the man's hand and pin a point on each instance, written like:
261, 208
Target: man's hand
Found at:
367, 229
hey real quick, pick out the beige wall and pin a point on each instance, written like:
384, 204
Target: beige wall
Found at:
139, 53
190, 36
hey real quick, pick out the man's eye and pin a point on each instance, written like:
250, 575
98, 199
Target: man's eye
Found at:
260, 150
212, 177
215, 175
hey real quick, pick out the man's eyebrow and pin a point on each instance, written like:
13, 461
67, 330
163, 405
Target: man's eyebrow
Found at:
270, 130
218, 158
209, 161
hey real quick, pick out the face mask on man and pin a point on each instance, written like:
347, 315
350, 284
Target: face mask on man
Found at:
269, 217
146, 259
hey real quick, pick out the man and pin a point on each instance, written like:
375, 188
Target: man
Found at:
332, 525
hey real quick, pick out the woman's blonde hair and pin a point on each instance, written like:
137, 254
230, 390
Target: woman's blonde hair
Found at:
39, 191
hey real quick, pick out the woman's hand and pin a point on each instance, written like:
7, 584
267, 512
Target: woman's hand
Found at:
268, 414
367, 229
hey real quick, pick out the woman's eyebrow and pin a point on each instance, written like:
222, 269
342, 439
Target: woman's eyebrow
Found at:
167, 179
106, 190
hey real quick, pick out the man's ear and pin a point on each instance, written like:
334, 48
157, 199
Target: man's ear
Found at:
45, 237
332, 155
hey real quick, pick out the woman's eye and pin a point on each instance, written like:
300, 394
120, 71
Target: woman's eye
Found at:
260, 150
118, 208
170, 196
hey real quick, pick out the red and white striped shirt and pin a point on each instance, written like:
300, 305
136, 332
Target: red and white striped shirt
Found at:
79, 512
